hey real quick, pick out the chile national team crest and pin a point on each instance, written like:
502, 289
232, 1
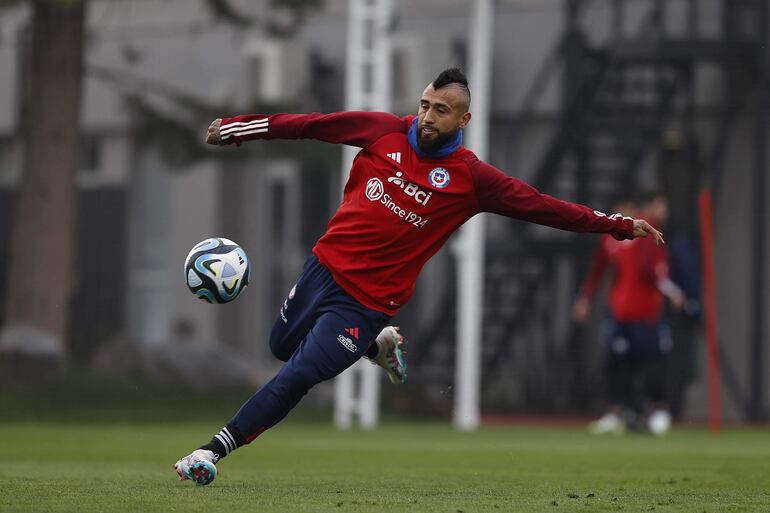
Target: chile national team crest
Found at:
439, 177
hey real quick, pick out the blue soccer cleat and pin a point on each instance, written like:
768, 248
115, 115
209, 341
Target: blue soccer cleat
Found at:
198, 467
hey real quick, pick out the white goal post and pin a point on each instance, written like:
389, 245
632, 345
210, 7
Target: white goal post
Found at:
469, 247
357, 390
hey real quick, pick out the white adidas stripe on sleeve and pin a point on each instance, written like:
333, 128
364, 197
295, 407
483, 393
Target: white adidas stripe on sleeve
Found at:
248, 132
241, 128
243, 124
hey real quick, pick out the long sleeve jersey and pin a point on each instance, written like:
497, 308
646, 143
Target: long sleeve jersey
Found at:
602, 261
639, 269
398, 208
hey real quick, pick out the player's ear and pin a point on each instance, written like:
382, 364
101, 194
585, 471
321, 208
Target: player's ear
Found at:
465, 119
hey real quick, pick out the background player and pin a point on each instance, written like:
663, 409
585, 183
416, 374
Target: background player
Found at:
638, 338
410, 187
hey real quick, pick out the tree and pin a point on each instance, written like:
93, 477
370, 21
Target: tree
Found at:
43, 240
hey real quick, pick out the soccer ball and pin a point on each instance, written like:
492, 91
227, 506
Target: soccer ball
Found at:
216, 270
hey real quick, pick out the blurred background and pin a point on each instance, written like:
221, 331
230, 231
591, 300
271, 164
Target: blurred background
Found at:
105, 185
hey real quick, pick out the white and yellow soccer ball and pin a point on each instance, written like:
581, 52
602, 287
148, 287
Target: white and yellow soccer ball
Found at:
216, 270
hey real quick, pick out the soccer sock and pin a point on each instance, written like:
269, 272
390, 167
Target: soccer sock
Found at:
372, 350
225, 442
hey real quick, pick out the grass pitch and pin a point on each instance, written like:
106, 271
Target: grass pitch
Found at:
309, 467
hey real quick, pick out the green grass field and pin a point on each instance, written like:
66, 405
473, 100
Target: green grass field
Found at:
97, 443
309, 467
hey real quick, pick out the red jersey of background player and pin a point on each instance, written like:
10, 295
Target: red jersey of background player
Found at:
640, 270
399, 207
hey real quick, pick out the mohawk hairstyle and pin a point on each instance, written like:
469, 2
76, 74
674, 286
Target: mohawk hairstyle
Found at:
452, 76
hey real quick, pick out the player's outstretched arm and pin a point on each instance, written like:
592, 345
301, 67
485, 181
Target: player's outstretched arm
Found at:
642, 229
499, 193
354, 128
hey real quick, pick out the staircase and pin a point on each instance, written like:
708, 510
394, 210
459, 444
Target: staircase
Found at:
620, 98
615, 115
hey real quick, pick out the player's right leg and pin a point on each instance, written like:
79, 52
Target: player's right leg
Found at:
299, 312
388, 352
613, 420
327, 350
618, 381
300, 309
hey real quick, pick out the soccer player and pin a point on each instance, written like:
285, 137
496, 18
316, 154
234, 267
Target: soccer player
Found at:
638, 337
410, 187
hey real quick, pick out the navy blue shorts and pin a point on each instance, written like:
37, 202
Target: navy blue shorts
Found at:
637, 337
320, 331
318, 308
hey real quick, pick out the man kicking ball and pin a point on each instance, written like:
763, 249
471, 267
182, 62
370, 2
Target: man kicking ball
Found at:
410, 187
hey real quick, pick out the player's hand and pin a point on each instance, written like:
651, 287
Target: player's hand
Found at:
581, 309
213, 136
678, 300
642, 228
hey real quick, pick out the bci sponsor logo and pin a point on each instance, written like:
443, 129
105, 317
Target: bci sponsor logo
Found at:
410, 189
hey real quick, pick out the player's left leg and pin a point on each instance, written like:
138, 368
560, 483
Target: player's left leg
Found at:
328, 349
199, 467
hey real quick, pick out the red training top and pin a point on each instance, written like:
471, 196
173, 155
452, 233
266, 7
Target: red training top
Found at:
603, 258
398, 209
635, 295
639, 267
